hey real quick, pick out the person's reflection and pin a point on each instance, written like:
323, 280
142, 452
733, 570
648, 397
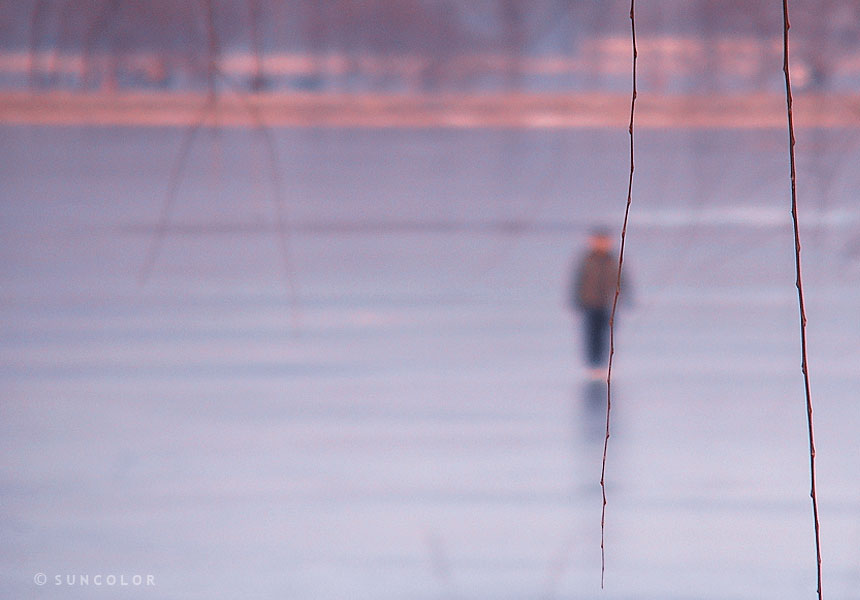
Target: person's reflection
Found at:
593, 403
587, 432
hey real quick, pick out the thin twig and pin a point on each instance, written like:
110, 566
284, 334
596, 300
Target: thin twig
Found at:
804, 365
615, 300
211, 104
281, 220
172, 190
254, 21
36, 16
96, 27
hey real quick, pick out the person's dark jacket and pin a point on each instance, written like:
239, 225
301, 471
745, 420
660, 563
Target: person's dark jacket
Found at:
595, 280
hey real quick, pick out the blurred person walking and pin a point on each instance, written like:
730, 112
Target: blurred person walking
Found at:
591, 293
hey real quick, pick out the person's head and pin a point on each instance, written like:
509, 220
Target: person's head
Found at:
599, 241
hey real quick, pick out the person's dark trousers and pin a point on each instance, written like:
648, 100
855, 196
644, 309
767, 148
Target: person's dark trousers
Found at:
596, 330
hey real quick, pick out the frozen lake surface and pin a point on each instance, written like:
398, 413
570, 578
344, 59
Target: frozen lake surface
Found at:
413, 421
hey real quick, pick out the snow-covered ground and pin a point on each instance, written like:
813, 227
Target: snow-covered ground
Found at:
413, 421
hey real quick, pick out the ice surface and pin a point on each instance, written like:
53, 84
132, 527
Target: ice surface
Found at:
416, 424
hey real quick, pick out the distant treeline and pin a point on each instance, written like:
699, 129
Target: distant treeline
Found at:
420, 45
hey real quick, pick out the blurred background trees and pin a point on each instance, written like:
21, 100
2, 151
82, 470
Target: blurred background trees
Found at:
423, 46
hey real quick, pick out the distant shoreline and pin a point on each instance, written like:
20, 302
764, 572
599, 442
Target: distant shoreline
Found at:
457, 111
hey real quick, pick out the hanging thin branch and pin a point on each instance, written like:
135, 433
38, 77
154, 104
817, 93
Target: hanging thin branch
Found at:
257, 78
185, 149
615, 299
281, 221
36, 17
212, 49
172, 190
804, 366
213, 72
97, 27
